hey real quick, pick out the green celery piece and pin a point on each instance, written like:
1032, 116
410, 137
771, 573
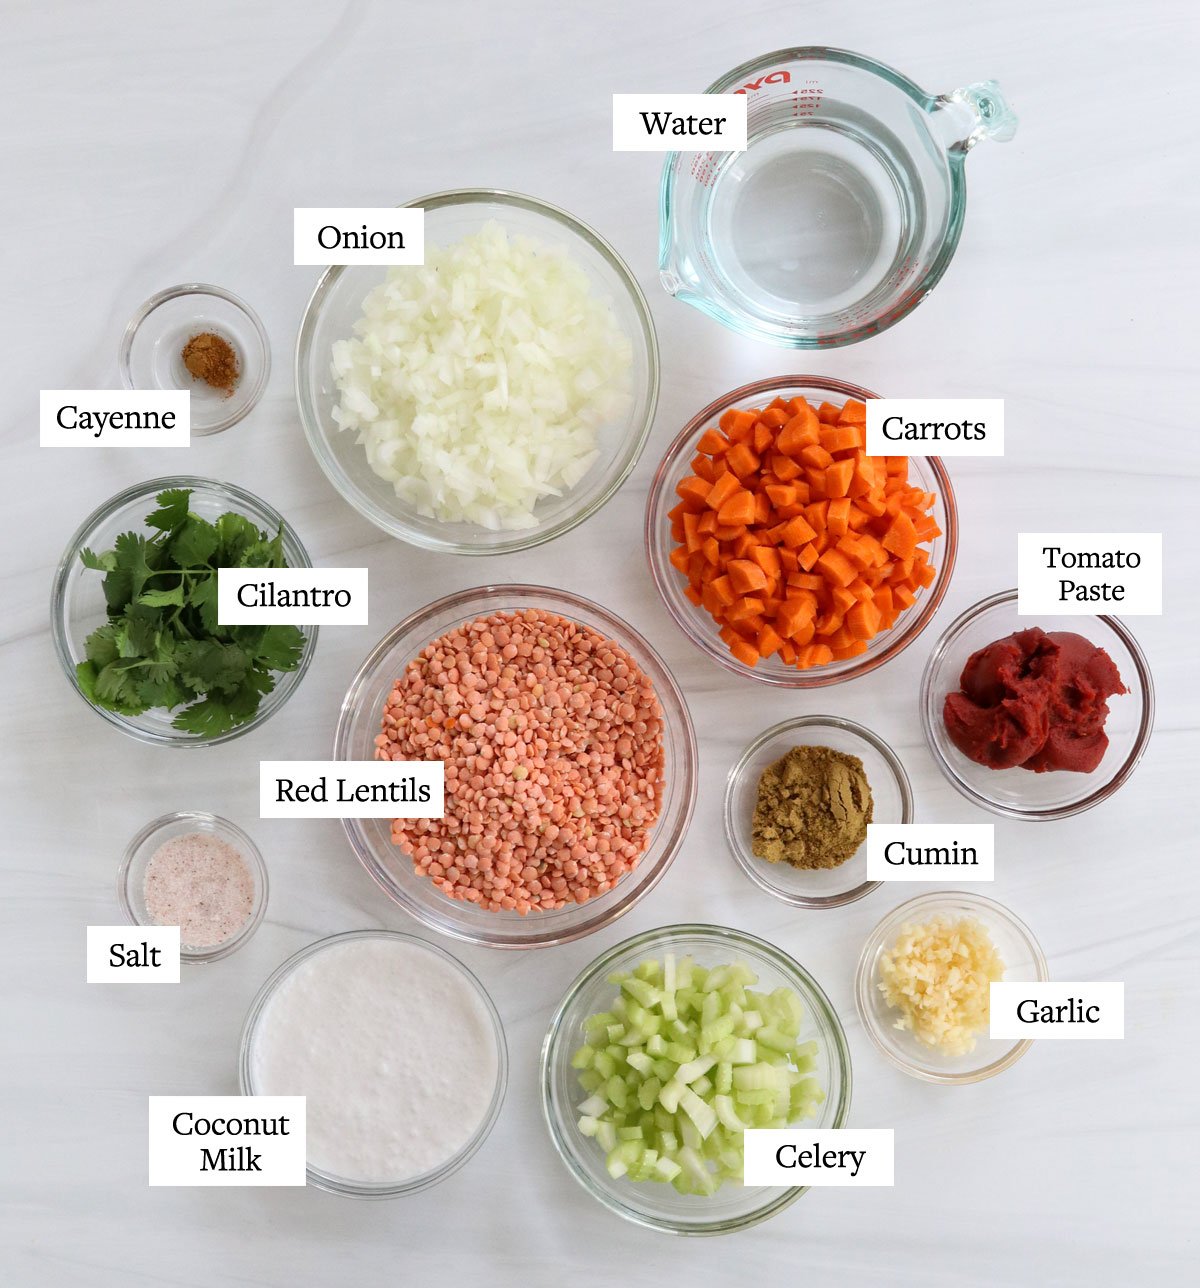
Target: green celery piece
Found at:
670, 1095
699, 1111
649, 971
680, 1053
629, 1133
590, 1080
582, 1059
756, 1077
640, 1061
588, 1126
642, 992
647, 1093
770, 1036
724, 1079
604, 1064
691, 1070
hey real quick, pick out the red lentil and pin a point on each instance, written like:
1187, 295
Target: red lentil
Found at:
551, 736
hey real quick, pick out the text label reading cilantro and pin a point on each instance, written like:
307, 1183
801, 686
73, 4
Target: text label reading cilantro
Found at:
314, 596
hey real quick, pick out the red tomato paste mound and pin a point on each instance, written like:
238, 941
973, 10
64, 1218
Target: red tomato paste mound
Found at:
1036, 700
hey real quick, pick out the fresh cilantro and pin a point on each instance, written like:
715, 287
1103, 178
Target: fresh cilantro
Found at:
162, 645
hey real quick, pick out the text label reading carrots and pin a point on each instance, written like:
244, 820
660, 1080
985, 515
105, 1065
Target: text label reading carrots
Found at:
935, 426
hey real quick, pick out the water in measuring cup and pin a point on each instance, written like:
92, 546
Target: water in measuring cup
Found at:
810, 220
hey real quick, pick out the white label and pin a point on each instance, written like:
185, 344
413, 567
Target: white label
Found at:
292, 596
931, 851
116, 418
935, 426
227, 1140
820, 1156
133, 954
679, 122
359, 235
1089, 572
351, 789
1057, 1010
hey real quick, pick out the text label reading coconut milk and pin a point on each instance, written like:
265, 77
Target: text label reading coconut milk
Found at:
820, 1156
1089, 572
133, 954
679, 122
935, 426
227, 1140
351, 789
292, 596
931, 851
116, 418
1057, 1010
359, 235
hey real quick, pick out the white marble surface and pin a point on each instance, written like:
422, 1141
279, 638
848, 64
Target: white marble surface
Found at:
145, 144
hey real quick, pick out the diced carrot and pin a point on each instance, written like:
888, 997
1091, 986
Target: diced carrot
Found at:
746, 575
711, 551
720, 492
854, 412
781, 494
744, 651
842, 438
764, 436
835, 567
837, 478
828, 413
801, 431
798, 532
767, 558
838, 516
741, 459
694, 595
768, 641
901, 536
708, 522
734, 419
703, 468
815, 456
679, 558
775, 416
694, 491
785, 469
863, 620
739, 508
713, 443
808, 557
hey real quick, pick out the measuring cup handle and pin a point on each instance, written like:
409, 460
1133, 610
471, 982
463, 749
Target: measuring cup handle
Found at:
978, 111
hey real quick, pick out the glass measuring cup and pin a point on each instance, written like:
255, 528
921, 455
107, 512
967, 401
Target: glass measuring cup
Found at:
844, 210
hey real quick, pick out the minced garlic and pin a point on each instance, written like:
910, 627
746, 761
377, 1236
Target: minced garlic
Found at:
938, 975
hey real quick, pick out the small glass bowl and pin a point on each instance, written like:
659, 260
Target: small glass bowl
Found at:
77, 598
890, 792
380, 1189
659, 1206
336, 305
150, 355
1020, 793
927, 473
131, 878
392, 869
1023, 960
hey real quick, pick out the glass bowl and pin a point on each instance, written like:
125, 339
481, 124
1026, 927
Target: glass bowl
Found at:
890, 792
659, 1206
348, 1186
77, 598
1023, 960
131, 879
1020, 793
392, 869
336, 305
926, 472
150, 354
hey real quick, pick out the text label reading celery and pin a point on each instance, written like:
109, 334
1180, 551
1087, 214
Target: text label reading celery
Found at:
227, 1140
1087, 572
351, 789
821, 1156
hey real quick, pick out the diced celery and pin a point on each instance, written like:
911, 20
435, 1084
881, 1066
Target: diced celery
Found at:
702, 1086
717, 1030
680, 1053
724, 1079
744, 1051
693, 1069
656, 1044
697, 1174
649, 970
689, 1133
666, 1169
751, 1021
599, 1022
645, 994
629, 1133
604, 1064
717, 978
726, 1113
669, 984
771, 1036
648, 1093
617, 1091
755, 1077
640, 1061
590, 1080
594, 1106
589, 1126
668, 1007
669, 1096
766, 1097
606, 1136
664, 1069
582, 1058
668, 1143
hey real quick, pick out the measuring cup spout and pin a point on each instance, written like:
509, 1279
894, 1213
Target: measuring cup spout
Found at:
978, 111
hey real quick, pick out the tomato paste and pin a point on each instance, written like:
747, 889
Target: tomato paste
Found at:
1036, 700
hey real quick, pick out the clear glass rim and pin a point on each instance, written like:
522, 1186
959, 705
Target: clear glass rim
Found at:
917, 289
864, 981
521, 540
250, 852
1032, 813
675, 709
298, 558
381, 1189
750, 865
912, 623
787, 965
257, 389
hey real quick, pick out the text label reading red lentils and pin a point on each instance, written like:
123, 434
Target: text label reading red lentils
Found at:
552, 740
350, 789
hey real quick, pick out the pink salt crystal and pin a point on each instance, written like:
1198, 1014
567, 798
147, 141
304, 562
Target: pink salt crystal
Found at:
201, 884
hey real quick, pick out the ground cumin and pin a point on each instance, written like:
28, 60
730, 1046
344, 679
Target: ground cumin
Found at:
813, 808
211, 358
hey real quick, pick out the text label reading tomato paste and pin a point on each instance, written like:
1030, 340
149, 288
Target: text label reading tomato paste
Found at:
1089, 572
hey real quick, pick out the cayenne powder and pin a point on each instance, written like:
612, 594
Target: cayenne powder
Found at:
211, 358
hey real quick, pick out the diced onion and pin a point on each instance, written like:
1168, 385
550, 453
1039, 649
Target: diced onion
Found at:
477, 383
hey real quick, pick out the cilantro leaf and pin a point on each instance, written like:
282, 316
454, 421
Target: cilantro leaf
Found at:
101, 646
237, 534
207, 665
195, 543
202, 596
264, 554
162, 598
173, 511
207, 718
102, 563
280, 648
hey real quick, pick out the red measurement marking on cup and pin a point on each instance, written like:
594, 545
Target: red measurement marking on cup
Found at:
780, 76
704, 168
806, 98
